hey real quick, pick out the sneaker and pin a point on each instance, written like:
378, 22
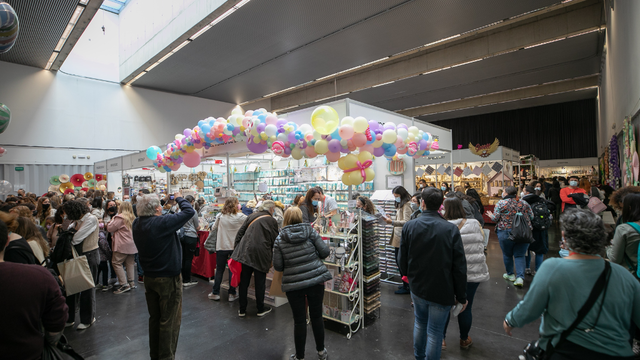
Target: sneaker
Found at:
444, 345
527, 271
213, 296
323, 355
264, 312
107, 287
133, 285
293, 357
233, 297
465, 344
241, 313
402, 291
140, 279
509, 277
519, 282
190, 283
122, 289
85, 326
69, 324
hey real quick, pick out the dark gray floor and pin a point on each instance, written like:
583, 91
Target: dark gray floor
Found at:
212, 330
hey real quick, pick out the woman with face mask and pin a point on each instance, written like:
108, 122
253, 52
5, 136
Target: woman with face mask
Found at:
403, 214
445, 188
44, 210
415, 205
111, 211
309, 207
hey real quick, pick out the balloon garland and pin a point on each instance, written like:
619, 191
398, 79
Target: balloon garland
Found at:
326, 135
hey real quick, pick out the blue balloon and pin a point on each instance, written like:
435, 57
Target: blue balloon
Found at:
230, 127
168, 169
205, 128
373, 139
312, 142
390, 151
425, 136
200, 123
426, 153
152, 152
295, 126
262, 117
336, 135
385, 146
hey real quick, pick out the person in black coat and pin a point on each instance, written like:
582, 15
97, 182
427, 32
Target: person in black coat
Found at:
540, 246
432, 256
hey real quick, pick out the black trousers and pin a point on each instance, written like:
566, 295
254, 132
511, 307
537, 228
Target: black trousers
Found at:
103, 269
188, 249
297, 300
259, 281
404, 283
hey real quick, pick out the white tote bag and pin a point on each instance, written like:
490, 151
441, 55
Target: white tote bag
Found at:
76, 274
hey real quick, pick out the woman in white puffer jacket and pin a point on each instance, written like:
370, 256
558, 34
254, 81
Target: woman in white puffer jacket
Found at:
477, 270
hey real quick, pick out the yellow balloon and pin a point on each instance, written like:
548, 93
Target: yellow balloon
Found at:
349, 161
273, 138
356, 178
360, 124
389, 136
413, 130
254, 131
242, 128
296, 153
377, 143
341, 164
364, 156
325, 119
162, 170
347, 120
256, 140
369, 173
190, 149
321, 147
264, 136
346, 179
178, 136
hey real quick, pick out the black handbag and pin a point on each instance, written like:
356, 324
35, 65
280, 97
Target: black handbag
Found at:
61, 351
520, 231
533, 351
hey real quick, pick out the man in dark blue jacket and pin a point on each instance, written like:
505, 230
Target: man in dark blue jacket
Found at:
432, 256
160, 255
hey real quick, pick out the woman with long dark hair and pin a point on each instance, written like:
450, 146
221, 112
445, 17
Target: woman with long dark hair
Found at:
627, 236
474, 194
403, 214
44, 210
309, 207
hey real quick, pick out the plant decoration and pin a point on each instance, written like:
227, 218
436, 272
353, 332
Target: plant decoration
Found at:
614, 162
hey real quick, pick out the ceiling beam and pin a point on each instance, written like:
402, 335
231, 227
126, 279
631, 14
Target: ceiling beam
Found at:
552, 24
505, 96
88, 13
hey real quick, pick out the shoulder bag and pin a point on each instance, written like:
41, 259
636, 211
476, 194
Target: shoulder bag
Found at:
212, 240
533, 351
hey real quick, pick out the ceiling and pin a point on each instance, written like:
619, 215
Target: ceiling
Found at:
42, 23
267, 46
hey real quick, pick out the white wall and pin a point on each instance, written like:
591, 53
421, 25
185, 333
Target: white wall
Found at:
620, 84
59, 110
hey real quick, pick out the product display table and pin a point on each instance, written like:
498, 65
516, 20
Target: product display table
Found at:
205, 264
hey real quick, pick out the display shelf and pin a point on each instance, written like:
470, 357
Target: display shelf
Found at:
348, 294
354, 319
275, 301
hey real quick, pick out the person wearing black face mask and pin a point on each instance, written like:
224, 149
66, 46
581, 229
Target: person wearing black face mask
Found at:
44, 210
112, 210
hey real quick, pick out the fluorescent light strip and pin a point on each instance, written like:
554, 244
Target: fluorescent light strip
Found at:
387, 83
67, 31
51, 60
137, 77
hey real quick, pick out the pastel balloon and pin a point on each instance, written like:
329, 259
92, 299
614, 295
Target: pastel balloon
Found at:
355, 178
325, 119
175, 167
282, 137
334, 146
369, 173
403, 134
390, 125
256, 148
292, 137
347, 120
271, 119
346, 179
346, 132
152, 152
333, 156
414, 130
360, 124
389, 136
310, 152
364, 156
399, 143
305, 128
349, 162
359, 139
186, 132
379, 151
402, 150
368, 148
390, 151
271, 130
351, 146
296, 154
191, 159
321, 147
426, 136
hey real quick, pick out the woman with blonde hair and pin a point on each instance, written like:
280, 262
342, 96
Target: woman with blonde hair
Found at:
28, 230
225, 228
298, 253
124, 249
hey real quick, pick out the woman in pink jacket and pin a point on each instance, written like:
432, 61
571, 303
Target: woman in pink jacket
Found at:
124, 249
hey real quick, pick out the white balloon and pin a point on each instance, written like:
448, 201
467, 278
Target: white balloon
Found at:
282, 137
271, 130
305, 129
317, 135
347, 120
5, 187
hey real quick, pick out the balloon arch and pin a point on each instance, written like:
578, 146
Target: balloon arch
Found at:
326, 135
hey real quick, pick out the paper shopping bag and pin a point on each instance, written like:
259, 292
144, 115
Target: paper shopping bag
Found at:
276, 285
76, 274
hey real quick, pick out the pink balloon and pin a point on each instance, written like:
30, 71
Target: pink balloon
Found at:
271, 119
399, 143
311, 152
351, 146
175, 167
359, 139
191, 159
368, 148
402, 150
333, 157
346, 132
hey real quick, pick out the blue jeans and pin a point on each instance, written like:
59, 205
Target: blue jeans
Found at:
539, 259
511, 250
430, 319
464, 318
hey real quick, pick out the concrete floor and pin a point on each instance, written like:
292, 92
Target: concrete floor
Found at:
213, 329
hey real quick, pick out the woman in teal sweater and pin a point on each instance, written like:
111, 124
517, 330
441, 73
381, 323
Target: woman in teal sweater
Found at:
562, 286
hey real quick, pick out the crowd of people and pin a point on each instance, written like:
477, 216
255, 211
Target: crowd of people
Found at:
439, 241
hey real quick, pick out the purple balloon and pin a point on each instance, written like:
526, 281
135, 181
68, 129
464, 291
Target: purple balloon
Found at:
402, 126
373, 125
388, 126
260, 127
302, 144
292, 137
344, 151
236, 130
187, 132
281, 123
287, 150
334, 146
256, 148
423, 144
280, 130
378, 151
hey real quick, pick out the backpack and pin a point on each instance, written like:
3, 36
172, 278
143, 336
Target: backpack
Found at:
541, 216
62, 251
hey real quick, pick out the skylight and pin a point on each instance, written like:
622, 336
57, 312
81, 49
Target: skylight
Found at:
114, 6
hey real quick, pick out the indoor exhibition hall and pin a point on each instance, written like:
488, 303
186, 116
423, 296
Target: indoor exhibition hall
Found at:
335, 179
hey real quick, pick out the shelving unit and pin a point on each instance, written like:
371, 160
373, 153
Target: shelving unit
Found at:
371, 262
386, 253
342, 304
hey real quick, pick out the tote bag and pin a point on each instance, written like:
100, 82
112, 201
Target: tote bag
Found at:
76, 274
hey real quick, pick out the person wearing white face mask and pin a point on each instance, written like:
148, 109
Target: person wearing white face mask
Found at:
403, 214
567, 200
422, 184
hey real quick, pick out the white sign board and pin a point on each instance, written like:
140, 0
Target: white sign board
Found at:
394, 180
100, 167
114, 164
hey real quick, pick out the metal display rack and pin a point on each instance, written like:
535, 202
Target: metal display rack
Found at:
388, 267
346, 307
